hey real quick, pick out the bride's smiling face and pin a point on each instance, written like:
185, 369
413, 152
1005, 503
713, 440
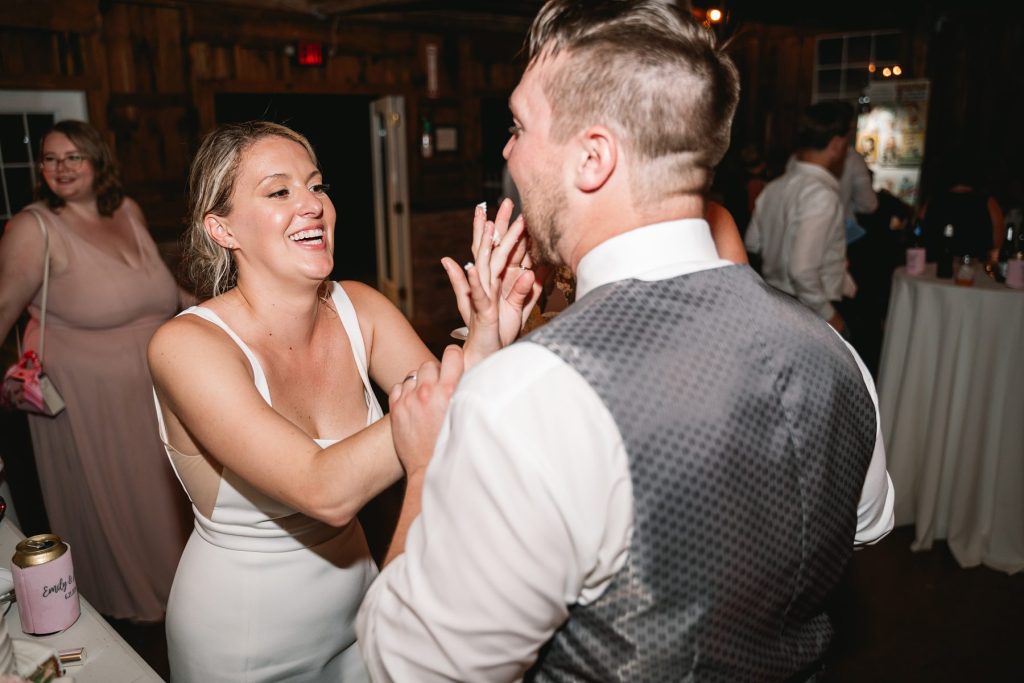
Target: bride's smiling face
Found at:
280, 212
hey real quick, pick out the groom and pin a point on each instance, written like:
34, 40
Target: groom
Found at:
666, 481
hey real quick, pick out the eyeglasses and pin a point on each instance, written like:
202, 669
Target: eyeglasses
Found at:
71, 161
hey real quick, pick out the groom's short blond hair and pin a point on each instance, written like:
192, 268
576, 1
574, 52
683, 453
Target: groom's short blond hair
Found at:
650, 73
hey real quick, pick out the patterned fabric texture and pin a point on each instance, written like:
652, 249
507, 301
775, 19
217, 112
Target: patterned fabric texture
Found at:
749, 431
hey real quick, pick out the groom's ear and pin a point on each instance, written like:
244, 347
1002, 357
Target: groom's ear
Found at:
597, 157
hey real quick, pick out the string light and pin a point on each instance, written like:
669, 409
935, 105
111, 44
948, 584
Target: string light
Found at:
714, 15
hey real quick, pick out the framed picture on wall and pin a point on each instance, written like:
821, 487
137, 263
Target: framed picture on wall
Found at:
447, 139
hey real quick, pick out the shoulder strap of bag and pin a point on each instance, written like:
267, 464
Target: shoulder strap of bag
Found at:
46, 284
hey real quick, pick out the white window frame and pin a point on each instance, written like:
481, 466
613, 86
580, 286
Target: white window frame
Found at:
845, 64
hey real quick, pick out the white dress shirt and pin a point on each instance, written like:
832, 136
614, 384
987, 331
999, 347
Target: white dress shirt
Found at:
855, 190
527, 506
798, 229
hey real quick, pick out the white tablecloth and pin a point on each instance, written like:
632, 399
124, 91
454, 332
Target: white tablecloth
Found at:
951, 396
108, 658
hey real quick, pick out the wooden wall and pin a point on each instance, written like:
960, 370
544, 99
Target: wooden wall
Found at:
152, 68
777, 70
976, 67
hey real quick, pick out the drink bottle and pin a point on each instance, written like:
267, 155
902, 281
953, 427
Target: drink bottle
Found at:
427, 139
1006, 252
965, 271
916, 251
944, 263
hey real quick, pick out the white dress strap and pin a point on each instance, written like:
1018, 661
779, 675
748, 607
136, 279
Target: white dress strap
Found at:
350, 321
259, 378
257, 370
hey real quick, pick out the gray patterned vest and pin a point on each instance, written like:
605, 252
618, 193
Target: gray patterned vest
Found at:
748, 430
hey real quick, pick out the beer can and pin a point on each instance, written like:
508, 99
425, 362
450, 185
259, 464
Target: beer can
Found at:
44, 583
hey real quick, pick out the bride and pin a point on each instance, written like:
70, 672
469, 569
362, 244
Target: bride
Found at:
268, 415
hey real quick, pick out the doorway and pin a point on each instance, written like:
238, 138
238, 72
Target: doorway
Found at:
338, 127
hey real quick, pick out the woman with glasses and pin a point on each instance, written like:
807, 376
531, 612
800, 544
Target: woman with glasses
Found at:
107, 486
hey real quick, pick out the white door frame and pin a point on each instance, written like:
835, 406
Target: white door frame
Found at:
391, 201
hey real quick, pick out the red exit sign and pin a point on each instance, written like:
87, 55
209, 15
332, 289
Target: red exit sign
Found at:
309, 54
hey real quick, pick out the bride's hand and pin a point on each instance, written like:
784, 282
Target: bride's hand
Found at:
497, 291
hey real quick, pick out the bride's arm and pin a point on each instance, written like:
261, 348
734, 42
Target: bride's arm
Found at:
206, 390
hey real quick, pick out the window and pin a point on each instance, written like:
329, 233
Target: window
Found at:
19, 140
845, 64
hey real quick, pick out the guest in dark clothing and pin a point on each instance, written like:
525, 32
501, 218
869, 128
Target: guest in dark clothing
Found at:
872, 262
976, 216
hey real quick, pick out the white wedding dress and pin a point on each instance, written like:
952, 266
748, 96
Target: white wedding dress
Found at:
262, 592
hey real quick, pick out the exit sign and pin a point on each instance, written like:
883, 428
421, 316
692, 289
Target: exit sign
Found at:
309, 54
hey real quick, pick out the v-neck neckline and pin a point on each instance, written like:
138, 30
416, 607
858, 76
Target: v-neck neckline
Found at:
116, 258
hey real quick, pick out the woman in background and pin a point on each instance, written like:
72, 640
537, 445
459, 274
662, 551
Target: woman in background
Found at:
107, 487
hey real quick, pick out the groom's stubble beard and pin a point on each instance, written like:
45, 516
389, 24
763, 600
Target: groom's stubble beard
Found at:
543, 203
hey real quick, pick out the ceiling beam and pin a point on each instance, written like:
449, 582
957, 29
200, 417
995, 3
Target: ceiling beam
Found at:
493, 7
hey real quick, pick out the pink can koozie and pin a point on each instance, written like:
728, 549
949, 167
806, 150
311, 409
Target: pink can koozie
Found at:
915, 260
44, 584
1015, 274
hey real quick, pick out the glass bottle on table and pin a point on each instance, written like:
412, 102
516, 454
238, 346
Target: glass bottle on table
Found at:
944, 261
965, 271
1006, 252
916, 251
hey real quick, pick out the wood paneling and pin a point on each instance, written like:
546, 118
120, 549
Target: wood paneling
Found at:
81, 16
152, 69
976, 67
144, 49
149, 106
777, 70
436, 234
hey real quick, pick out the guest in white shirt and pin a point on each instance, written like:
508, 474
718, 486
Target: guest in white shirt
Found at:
798, 225
665, 481
855, 188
